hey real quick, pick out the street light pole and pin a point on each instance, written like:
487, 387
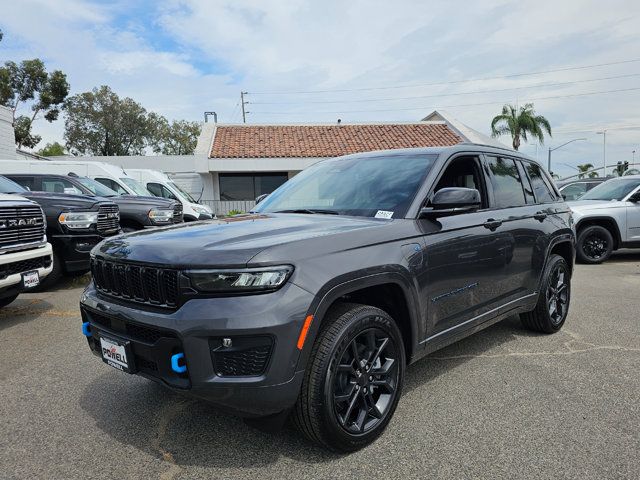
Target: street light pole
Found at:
556, 148
604, 150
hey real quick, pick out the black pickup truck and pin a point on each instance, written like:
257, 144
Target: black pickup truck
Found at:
75, 224
136, 212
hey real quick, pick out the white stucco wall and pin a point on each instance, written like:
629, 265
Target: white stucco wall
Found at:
7, 138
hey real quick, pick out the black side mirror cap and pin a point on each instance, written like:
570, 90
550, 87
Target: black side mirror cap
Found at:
635, 198
260, 198
452, 201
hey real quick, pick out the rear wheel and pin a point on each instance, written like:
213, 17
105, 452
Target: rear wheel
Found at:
553, 301
595, 244
354, 379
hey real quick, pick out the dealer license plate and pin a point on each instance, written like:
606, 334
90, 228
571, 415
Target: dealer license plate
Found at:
30, 279
116, 353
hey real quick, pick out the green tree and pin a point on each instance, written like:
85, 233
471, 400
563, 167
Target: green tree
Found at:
583, 169
101, 123
176, 138
29, 84
520, 124
52, 150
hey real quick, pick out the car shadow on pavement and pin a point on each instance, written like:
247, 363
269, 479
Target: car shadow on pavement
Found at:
23, 309
190, 432
624, 256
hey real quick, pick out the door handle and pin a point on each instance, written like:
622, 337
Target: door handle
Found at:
492, 224
540, 216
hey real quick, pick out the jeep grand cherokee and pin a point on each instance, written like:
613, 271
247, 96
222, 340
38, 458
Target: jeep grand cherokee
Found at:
313, 305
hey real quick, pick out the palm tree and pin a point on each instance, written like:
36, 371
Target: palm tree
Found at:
583, 169
520, 124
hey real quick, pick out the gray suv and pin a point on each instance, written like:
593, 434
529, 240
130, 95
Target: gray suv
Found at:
313, 305
608, 218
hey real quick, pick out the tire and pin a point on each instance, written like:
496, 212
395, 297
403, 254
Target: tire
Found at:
7, 300
337, 407
551, 310
595, 244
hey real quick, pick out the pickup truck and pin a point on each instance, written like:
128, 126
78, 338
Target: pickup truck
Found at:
136, 212
25, 255
74, 225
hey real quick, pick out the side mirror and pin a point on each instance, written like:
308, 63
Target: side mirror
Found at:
259, 198
635, 198
452, 201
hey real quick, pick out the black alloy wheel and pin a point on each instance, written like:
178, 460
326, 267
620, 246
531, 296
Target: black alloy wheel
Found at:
353, 379
365, 382
595, 244
558, 294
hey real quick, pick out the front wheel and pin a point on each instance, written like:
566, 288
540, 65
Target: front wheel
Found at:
595, 244
553, 299
353, 380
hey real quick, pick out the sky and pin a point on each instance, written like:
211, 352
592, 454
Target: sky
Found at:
361, 60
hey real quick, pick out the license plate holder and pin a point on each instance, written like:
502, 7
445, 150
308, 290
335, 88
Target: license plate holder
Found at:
30, 279
117, 353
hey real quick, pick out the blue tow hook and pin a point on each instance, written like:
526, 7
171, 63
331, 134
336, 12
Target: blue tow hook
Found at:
174, 363
85, 329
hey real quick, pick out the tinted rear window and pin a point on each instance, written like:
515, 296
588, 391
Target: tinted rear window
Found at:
542, 190
506, 183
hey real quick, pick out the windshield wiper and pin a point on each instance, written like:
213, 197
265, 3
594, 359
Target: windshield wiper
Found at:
309, 211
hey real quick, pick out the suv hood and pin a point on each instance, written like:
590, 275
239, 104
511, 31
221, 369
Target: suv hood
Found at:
584, 206
231, 242
64, 200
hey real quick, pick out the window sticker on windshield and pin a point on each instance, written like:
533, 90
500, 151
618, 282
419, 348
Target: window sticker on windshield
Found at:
384, 214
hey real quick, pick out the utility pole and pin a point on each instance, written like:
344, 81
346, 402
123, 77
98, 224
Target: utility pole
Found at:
556, 148
244, 112
604, 150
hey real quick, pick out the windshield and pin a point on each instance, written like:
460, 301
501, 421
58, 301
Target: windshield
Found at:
9, 186
136, 187
615, 189
381, 186
182, 192
97, 188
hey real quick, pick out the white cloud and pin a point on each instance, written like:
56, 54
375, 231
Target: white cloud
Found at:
188, 56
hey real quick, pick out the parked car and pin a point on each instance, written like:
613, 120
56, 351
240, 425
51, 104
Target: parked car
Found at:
608, 218
161, 185
25, 254
314, 304
136, 212
109, 175
75, 224
574, 189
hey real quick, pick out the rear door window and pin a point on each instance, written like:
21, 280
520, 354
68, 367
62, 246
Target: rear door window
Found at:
542, 190
506, 183
26, 182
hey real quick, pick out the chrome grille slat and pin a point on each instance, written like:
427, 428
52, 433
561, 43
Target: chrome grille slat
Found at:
106, 224
13, 235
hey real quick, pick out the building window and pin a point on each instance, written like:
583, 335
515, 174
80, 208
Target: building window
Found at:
248, 186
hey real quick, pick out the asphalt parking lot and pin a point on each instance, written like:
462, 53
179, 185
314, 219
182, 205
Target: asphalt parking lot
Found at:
504, 403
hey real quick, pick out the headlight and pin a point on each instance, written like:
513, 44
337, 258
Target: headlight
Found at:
160, 216
78, 219
243, 280
202, 209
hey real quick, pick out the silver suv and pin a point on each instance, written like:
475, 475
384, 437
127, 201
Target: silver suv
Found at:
607, 218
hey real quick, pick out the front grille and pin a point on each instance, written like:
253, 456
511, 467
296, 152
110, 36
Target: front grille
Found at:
135, 331
152, 286
248, 357
21, 225
24, 266
108, 219
177, 213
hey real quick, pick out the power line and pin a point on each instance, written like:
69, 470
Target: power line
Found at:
540, 85
513, 75
449, 106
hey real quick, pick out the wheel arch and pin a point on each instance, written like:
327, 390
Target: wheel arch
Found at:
389, 291
602, 221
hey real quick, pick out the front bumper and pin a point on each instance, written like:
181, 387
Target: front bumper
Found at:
14, 264
257, 375
74, 250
